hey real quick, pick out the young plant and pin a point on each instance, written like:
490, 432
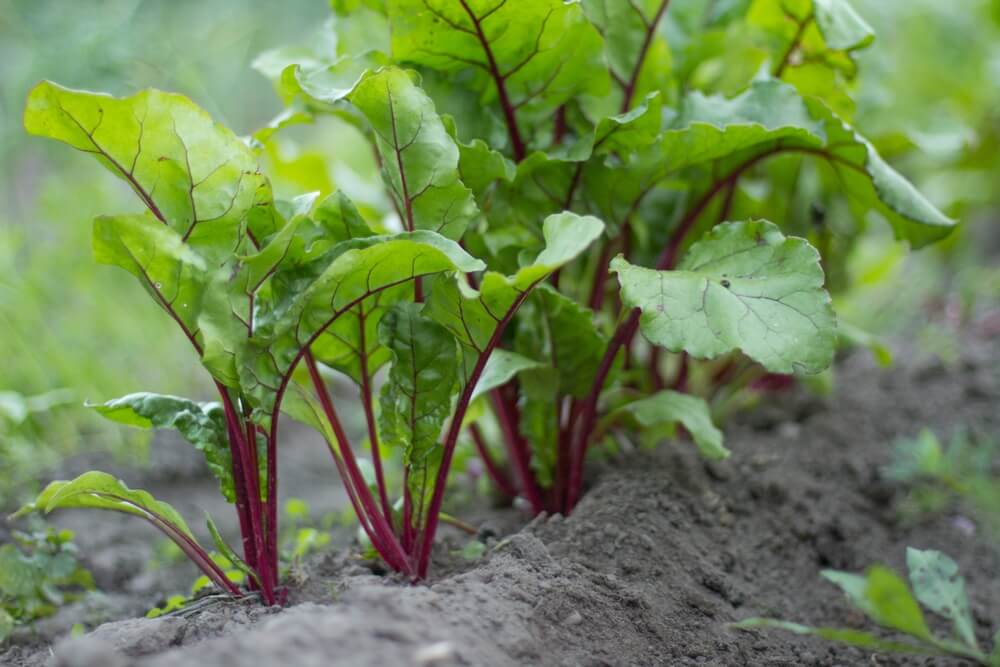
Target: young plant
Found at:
937, 475
38, 573
469, 278
885, 598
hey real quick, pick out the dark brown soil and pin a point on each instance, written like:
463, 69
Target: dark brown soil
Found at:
661, 554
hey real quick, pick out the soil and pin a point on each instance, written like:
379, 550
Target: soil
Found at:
662, 553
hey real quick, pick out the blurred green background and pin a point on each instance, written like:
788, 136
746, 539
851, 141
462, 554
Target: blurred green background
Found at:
71, 330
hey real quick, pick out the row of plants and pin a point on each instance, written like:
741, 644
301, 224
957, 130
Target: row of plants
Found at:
568, 249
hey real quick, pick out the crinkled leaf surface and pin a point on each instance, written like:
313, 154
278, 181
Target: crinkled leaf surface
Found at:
419, 158
746, 287
667, 407
544, 51
941, 589
168, 268
201, 424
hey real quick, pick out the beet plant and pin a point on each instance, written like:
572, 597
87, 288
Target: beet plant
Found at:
557, 179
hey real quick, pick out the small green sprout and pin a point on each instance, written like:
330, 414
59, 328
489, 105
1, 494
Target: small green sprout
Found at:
887, 600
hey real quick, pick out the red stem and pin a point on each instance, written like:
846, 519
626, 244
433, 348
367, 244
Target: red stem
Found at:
386, 542
643, 50
518, 451
366, 401
451, 439
510, 118
497, 475
627, 329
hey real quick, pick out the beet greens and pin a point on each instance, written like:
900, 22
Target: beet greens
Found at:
558, 177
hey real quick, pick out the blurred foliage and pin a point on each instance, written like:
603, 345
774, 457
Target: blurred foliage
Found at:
38, 573
928, 97
56, 309
962, 474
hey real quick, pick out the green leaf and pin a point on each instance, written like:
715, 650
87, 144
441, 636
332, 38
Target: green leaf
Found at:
201, 424
501, 368
668, 407
745, 286
479, 166
843, 29
169, 269
416, 400
362, 269
419, 158
195, 176
556, 328
709, 127
770, 118
858, 638
885, 598
228, 552
102, 491
473, 316
626, 26
544, 52
940, 588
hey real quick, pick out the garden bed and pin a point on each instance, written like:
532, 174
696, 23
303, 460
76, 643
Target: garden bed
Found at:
661, 554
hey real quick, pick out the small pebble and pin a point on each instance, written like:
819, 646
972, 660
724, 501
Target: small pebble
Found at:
435, 654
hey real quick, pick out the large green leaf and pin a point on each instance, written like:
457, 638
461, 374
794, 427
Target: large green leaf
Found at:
194, 175
542, 53
746, 287
770, 118
201, 424
419, 158
416, 400
940, 588
671, 407
326, 66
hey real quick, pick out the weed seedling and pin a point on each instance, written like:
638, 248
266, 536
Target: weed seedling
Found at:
887, 600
